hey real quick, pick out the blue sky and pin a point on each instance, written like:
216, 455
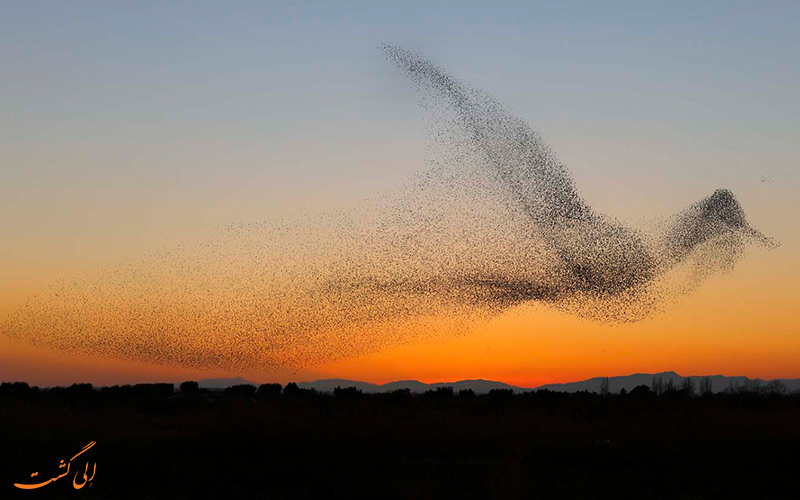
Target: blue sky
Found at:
128, 124
156, 76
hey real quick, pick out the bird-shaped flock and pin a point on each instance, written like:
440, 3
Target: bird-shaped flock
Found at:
496, 222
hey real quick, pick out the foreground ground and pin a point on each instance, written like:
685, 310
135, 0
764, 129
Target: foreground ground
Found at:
153, 443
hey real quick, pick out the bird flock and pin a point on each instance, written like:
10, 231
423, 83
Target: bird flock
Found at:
495, 221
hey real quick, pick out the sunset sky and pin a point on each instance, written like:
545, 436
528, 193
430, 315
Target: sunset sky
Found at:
127, 128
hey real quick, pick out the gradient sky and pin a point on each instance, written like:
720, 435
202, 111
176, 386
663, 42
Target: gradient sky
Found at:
132, 126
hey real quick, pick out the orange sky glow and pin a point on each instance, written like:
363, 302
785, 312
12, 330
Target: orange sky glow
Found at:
744, 323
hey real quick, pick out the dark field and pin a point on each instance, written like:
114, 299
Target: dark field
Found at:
153, 443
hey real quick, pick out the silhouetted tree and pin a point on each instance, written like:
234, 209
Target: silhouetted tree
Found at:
400, 394
444, 392
440, 393
15, 388
604, 386
775, 387
268, 390
292, 389
466, 393
501, 393
705, 386
346, 392
656, 385
687, 388
641, 391
752, 387
245, 390
190, 387
623, 392
124, 392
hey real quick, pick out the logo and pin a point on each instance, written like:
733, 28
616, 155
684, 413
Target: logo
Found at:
80, 479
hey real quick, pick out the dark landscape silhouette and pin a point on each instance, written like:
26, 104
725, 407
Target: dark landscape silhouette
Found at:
718, 383
662, 439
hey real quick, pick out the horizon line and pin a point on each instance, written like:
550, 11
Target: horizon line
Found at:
443, 382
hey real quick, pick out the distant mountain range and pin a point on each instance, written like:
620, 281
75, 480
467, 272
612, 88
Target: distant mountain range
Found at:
615, 384
719, 383
479, 386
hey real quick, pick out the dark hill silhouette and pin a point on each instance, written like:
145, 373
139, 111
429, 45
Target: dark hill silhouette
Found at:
248, 442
